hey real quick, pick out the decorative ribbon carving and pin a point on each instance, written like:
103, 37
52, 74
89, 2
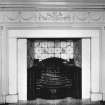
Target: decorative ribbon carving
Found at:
52, 16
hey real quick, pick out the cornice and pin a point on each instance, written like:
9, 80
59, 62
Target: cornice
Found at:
35, 5
50, 12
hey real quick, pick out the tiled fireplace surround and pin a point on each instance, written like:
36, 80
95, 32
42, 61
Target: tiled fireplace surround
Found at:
17, 47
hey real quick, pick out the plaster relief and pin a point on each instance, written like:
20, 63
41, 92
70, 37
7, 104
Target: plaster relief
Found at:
52, 16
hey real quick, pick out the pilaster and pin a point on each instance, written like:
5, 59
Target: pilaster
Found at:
4, 64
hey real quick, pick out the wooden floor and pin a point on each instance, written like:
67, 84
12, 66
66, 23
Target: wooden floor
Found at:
96, 103
58, 102
62, 104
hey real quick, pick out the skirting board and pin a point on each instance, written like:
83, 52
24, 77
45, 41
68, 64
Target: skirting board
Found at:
12, 99
103, 96
96, 97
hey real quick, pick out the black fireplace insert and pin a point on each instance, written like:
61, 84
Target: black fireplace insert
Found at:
53, 78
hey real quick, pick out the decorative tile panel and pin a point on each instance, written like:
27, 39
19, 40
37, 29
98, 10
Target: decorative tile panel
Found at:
65, 49
56, 48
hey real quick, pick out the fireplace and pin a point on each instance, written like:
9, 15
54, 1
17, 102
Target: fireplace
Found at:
54, 68
19, 65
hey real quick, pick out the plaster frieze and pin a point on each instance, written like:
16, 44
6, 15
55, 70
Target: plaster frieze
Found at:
52, 16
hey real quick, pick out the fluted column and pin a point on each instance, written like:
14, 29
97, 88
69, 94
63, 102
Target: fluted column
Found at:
103, 64
3, 65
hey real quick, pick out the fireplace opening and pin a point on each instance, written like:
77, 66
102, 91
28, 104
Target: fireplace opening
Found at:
54, 68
